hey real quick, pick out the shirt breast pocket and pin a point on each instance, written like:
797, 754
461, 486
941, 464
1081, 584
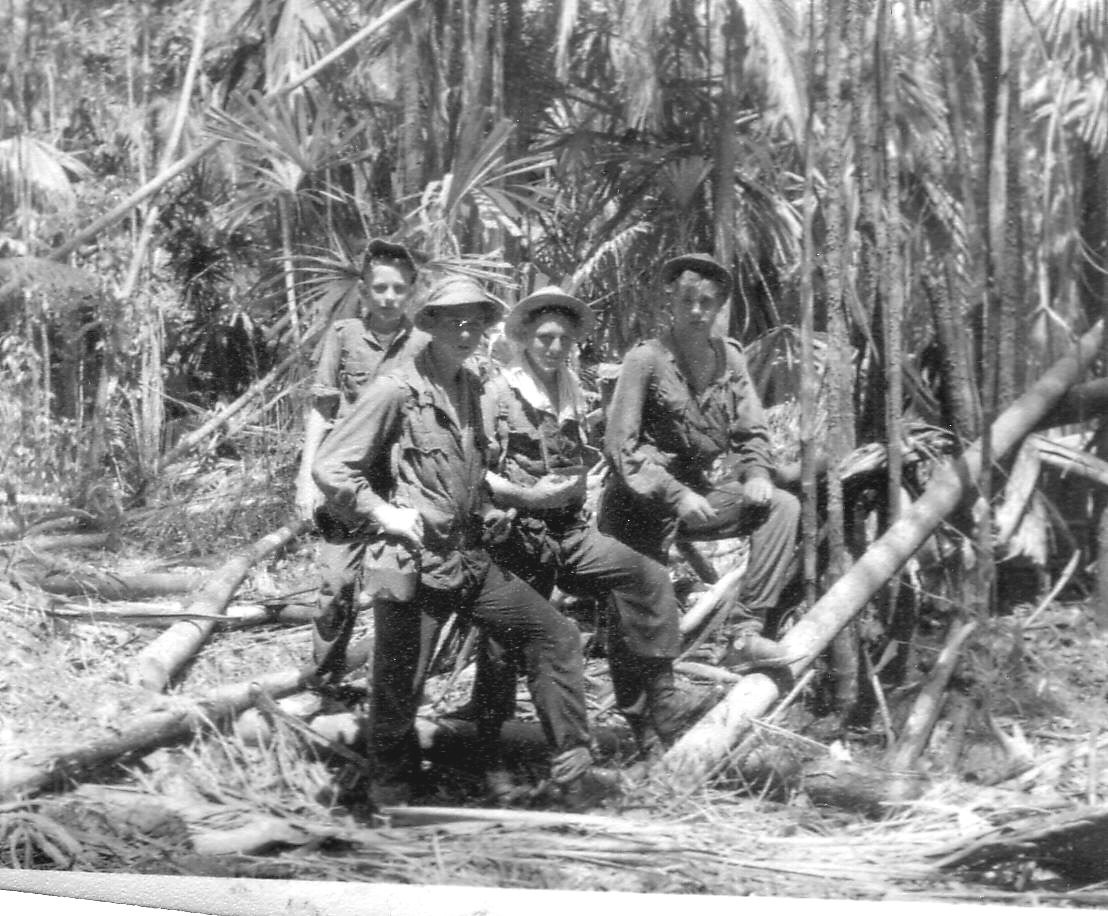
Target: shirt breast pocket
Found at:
354, 380
430, 441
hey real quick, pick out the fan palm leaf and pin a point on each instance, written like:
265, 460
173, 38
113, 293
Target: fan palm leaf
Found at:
38, 173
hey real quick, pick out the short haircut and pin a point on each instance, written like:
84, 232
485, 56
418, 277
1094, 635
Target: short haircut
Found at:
404, 265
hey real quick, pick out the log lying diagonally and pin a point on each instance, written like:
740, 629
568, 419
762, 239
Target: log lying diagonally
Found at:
159, 661
688, 763
182, 718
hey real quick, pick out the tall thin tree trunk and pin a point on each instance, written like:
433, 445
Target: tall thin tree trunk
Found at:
411, 134
288, 270
1013, 276
726, 156
865, 150
840, 419
996, 88
1094, 231
959, 394
809, 381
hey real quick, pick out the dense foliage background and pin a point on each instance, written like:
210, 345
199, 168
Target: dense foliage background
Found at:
913, 196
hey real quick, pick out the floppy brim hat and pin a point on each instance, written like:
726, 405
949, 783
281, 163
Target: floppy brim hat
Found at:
549, 297
386, 250
703, 264
458, 291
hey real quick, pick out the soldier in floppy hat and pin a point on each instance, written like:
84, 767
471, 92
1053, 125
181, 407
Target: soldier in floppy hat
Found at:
408, 463
354, 352
535, 418
682, 401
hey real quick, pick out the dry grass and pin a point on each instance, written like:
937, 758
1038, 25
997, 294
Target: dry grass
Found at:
225, 807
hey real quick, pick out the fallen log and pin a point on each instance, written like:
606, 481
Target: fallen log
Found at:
700, 750
159, 661
453, 742
707, 672
212, 425
56, 521
238, 616
76, 541
172, 725
925, 709
109, 586
853, 785
711, 600
1080, 404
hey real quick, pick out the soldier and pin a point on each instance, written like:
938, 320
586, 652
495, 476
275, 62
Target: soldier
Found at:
535, 417
355, 351
682, 401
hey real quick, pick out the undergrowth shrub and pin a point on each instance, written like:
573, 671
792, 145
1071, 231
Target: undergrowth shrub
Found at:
39, 453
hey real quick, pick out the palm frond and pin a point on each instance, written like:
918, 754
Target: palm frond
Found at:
41, 169
612, 249
774, 25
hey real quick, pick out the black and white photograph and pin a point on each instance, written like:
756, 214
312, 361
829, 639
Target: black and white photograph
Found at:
471, 456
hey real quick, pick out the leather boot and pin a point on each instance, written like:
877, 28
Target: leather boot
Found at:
579, 784
664, 705
331, 632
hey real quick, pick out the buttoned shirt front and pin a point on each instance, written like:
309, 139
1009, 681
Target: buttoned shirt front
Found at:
406, 443
662, 438
353, 355
528, 437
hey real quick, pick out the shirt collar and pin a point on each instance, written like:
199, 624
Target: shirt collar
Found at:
521, 376
404, 330
718, 346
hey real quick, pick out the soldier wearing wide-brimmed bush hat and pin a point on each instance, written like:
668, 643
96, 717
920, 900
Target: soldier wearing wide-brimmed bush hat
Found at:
548, 299
452, 294
535, 414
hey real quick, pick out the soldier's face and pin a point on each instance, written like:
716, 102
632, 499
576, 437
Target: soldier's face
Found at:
387, 291
549, 342
456, 331
694, 303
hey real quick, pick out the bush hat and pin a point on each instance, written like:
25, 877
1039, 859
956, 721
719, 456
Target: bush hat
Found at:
548, 297
456, 291
384, 250
703, 264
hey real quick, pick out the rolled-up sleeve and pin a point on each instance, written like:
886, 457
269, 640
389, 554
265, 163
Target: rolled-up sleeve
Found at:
358, 449
638, 462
